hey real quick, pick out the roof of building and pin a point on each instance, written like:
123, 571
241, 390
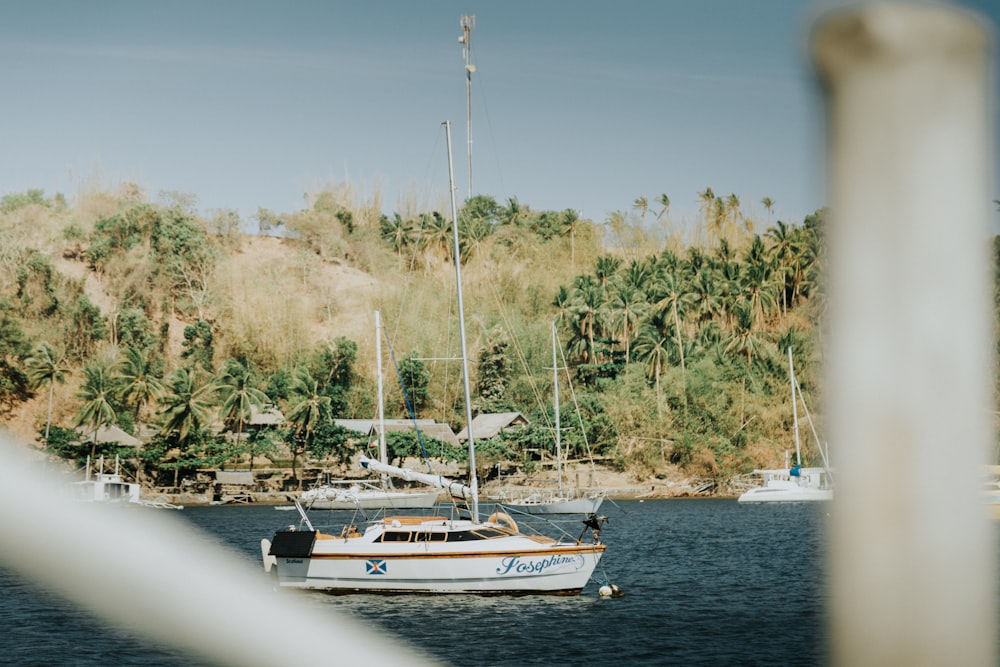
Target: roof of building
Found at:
367, 425
490, 424
109, 433
267, 415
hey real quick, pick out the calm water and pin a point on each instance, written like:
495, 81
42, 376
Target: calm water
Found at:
707, 582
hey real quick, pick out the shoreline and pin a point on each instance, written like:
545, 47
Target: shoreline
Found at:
646, 492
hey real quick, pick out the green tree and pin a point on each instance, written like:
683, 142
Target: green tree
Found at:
86, 327
139, 381
235, 385
97, 392
396, 232
309, 408
413, 379
46, 367
494, 373
652, 348
187, 405
198, 344
570, 226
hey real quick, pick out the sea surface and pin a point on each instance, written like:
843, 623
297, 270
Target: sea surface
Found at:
706, 582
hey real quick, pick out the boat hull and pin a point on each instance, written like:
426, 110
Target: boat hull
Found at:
370, 500
769, 494
520, 566
558, 506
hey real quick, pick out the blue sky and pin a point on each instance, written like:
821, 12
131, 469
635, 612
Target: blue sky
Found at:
585, 105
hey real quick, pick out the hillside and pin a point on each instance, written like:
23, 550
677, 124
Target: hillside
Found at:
676, 351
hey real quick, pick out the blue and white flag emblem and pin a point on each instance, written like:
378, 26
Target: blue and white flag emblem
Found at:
375, 566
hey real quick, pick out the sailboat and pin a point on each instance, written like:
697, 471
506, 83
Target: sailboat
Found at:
793, 484
562, 500
435, 554
365, 494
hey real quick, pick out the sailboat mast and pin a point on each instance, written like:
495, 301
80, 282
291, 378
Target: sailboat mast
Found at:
795, 412
473, 481
555, 403
468, 23
383, 455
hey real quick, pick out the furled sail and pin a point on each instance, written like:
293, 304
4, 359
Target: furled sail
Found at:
454, 488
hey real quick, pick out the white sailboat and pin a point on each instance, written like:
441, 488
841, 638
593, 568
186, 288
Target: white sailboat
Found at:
435, 554
364, 494
793, 484
562, 500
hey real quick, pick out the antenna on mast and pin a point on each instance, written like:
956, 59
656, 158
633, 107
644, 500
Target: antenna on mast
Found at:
468, 23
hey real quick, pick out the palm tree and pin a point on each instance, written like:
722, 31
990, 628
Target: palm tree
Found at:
309, 409
239, 397
651, 346
769, 207
589, 310
605, 269
397, 232
46, 367
187, 407
138, 382
641, 204
743, 338
733, 209
570, 224
781, 251
758, 285
628, 304
707, 208
513, 213
436, 234
670, 294
96, 392
665, 204
706, 297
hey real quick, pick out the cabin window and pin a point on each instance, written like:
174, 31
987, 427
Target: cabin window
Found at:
428, 536
478, 534
395, 536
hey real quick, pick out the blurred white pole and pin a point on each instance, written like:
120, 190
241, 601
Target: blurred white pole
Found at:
149, 572
912, 562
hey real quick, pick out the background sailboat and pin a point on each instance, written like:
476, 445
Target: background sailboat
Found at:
562, 500
793, 484
364, 494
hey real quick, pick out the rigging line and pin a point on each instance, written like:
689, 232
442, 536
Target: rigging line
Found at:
422, 217
409, 406
520, 355
480, 85
579, 416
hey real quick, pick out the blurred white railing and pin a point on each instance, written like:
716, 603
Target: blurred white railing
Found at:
912, 562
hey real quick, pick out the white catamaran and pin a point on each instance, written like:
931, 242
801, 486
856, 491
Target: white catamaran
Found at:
793, 484
435, 554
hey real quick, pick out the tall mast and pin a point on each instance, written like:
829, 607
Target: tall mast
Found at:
468, 23
473, 481
795, 411
555, 403
382, 454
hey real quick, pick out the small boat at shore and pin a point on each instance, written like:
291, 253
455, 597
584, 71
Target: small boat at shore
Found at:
111, 488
